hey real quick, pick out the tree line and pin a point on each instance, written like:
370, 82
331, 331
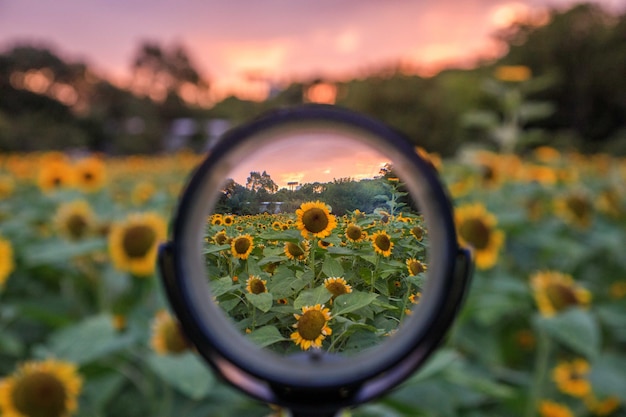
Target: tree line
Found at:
577, 62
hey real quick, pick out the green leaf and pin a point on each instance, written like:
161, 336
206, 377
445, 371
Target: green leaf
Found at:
266, 336
90, 339
272, 259
318, 295
439, 361
339, 250
332, 268
261, 301
184, 372
350, 302
290, 235
57, 251
221, 286
215, 248
575, 329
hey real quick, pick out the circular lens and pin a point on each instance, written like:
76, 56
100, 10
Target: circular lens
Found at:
314, 253
315, 243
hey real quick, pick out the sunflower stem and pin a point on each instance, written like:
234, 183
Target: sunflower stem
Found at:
541, 367
312, 260
375, 273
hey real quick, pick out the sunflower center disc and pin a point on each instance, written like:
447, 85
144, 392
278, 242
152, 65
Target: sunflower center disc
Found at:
475, 232
311, 324
257, 286
383, 242
77, 226
561, 296
354, 232
40, 395
138, 240
241, 246
315, 220
337, 288
416, 268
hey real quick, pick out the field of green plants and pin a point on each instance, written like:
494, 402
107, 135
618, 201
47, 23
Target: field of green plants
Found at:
86, 329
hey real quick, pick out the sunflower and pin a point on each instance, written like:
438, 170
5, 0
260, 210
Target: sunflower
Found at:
241, 246
7, 264
324, 244
576, 209
217, 219
603, 407
7, 185
555, 291
315, 218
513, 73
142, 192
55, 174
75, 219
337, 286
297, 252
90, 174
167, 336
220, 238
572, 378
256, 285
277, 226
133, 243
312, 327
552, 409
476, 228
382, 243
415, 266
418, 233
228, 220
41, 389
354, 233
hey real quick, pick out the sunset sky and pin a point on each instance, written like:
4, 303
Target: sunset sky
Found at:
236, 43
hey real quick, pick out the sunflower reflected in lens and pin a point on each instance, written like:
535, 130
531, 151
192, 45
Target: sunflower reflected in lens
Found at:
41, 389
256, 285
337, 286
312, 327
555, 292
415, 266
297, 252
133, 243
476, 227
314, 218
241, 247
167, 336
354, 233
7, 264
382, 243
74, 220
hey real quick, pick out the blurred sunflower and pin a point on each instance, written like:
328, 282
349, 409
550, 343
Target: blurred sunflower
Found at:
142, 192
415, 266
133, 243
220, 238
324, 244
572, 378
241, 246
311, 327
256, 285
552, 409
382, 243
7, 185
74, 220
315, 218
603, 407
277, 225
354, 233
167, 336
512, 73
476, 228
217, 219
55, 174
228, 220
418, 233
41, 389
7, 264
90, 174
297, 252
575, 209
555, 291
337, 286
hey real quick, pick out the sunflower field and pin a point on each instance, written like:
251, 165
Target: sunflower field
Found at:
86, 329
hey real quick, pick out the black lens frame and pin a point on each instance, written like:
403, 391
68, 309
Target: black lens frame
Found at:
325, 393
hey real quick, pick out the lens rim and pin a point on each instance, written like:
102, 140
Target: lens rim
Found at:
277, 380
